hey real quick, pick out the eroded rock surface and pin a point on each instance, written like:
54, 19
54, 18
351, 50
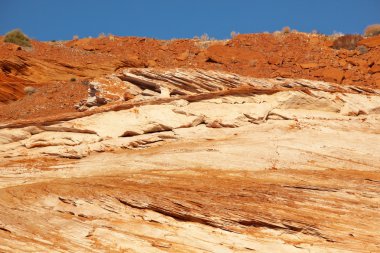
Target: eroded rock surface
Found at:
228, 164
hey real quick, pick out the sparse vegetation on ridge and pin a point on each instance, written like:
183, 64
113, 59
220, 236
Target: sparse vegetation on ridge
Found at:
347, 42
17, 37
372, 30
234, 34
286, 29
204, 37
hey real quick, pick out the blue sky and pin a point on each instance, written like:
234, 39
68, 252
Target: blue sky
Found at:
166, 19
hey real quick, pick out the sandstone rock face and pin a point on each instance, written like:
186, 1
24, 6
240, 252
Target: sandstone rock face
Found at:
256, 55
208, 162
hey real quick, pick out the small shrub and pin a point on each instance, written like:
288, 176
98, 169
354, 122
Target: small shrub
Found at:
204, 37
372, 30
286, 29
336, 34
29, 90
347, 42
101, 36
17, 37
234, 34
73, 79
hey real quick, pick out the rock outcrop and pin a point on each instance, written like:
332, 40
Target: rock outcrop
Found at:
196, 161
256, 55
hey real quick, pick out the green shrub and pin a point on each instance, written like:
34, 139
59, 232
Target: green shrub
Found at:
17, 37
372, 30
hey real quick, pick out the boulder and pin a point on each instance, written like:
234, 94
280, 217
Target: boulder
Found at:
317, 72
374, 69
352, 75
276, 60
183, 56
370, 42
357, 62
283, 72
333, 74
342, 63
151, 63
131, 61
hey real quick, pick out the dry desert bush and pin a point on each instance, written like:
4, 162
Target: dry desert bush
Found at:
234, 34
17, 37
204, 37
29, 90
347, 42
286, 29
372, 30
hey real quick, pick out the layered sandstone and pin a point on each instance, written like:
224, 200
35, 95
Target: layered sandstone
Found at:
255, 55
192, 160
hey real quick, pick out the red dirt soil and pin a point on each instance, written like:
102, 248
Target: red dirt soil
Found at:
46, 101
50, 65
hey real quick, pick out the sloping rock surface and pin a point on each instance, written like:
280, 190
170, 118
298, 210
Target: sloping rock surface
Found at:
209, 162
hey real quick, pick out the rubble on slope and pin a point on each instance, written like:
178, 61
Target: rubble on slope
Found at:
191, 159
255, 55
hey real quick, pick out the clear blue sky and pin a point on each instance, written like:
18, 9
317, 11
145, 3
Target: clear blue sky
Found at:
166, 19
